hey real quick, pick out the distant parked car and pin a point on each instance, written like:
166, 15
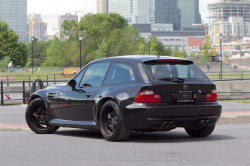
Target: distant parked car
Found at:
129, 93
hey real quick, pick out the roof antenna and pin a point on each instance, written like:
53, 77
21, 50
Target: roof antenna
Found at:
158, 56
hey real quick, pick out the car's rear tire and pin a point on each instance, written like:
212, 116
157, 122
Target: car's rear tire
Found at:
36, 118
111, 123
203, 132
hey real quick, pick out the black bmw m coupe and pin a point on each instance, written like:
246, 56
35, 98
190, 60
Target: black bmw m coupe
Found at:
122, 94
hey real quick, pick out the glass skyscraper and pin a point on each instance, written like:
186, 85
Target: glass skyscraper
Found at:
189, 13
14, 13
167, 12
136, 11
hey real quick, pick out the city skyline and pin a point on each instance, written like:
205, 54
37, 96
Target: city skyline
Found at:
49, 11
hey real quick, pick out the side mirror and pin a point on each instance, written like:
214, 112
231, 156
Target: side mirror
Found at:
72, 83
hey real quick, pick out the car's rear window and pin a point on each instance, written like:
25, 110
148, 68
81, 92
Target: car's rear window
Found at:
161, 69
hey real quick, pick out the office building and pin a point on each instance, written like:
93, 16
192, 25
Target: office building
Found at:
189, 13
67, 16
101, 6
14, 13
135, 11
235, 29
167, 12
36, 27
192, 37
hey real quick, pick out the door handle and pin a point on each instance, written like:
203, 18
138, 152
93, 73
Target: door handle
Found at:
88, 95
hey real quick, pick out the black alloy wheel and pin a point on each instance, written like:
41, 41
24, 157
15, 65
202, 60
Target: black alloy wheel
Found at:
111, 123
36, 118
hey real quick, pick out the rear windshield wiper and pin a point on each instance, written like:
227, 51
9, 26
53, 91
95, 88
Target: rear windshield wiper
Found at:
172, 79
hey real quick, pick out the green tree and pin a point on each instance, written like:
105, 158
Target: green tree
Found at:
184, 53
207, 55
192, 54
169, 51
9, 46
54, 56
177, 52
102, 51
39, 52
4, 63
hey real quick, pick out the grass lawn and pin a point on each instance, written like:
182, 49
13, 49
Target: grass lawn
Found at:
235, 75
236, 101
42, 75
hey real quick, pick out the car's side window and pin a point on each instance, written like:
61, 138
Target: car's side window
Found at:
79, 77
94, 75
119, 73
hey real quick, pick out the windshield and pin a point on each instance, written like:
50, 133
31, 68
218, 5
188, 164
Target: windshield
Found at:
160, 70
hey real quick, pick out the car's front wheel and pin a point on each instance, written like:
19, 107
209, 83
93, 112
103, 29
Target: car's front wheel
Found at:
111, 123
36, 118
203, 132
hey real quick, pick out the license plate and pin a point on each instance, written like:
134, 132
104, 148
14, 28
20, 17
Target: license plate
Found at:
184, 96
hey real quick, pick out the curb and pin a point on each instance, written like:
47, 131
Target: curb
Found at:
234, 119
13, 127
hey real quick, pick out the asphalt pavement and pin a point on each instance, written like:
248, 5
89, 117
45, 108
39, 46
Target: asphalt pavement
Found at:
228, 145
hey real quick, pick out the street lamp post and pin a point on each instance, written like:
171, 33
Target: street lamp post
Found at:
149, 44
240, 58
80, 38
220, 55
32, 39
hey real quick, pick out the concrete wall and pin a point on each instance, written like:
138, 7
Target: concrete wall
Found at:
234, 86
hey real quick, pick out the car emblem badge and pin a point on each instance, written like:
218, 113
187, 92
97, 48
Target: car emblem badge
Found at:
185, 87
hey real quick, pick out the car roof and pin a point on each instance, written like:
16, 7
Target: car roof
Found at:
139, 58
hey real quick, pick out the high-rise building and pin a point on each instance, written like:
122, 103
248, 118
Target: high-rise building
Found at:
37, 27
223, 9
232, 30
189, 13
14, 13
101, 6
231, 18
67, 16
135, 11
167, 12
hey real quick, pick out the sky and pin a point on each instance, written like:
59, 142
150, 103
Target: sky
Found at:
51, 9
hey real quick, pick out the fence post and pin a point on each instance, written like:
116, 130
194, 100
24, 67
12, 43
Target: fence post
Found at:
7, 80
242, 74
54, 79
1, 92
38, 76
29, 80
47, 79
23, 92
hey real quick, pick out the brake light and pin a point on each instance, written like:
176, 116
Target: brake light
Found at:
212, 96
148, 96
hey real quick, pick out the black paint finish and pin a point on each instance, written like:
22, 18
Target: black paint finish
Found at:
80, 107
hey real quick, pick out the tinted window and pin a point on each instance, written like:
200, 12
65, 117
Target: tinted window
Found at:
119, 73
179, 69
79, 77
95, 74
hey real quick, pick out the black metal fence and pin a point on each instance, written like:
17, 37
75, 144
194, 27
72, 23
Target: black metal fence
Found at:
23, 84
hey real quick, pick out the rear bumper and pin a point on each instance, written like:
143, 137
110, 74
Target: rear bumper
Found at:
152, 116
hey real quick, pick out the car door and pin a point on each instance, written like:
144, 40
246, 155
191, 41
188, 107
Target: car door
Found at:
78, 102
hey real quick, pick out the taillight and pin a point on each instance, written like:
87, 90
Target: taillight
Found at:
148, 96
212, 96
